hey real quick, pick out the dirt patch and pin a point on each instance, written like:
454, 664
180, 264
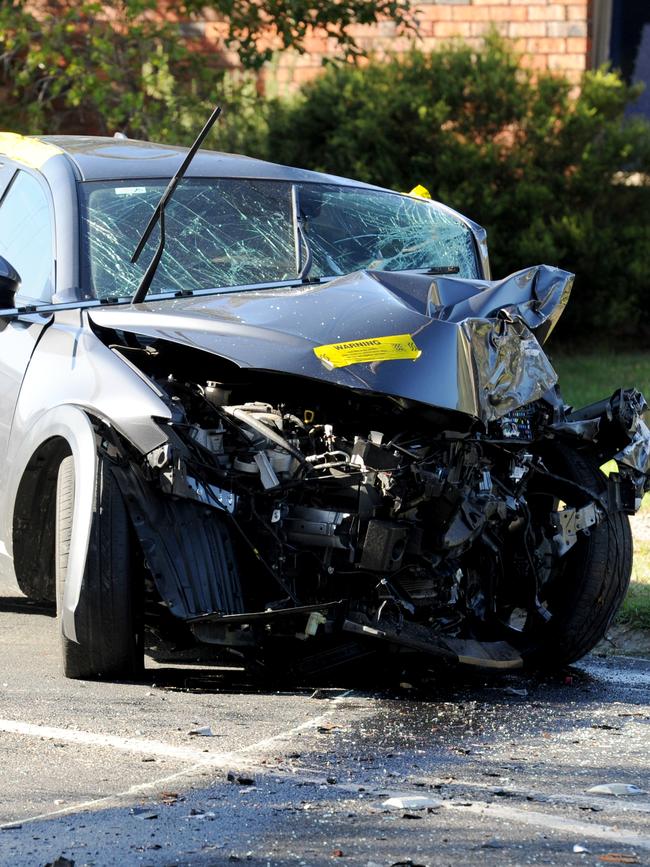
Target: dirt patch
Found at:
640, 524
622, 640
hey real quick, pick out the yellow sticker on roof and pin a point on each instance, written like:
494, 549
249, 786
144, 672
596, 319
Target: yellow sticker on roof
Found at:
366, 351
26, 149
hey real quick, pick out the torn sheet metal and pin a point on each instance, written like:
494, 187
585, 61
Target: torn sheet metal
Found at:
617, 428
510, 366
636, 455
535, 295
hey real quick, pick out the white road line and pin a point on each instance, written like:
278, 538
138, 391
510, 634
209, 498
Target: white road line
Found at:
107, 800
623, 803
144, 746
140, 746
537, 818
614, 834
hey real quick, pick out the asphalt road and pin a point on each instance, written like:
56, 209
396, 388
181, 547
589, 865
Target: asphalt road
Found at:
109, 774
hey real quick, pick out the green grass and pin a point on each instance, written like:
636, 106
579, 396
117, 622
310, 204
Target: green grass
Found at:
585, 379
635, 610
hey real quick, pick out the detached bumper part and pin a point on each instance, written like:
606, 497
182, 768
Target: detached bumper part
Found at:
617, 429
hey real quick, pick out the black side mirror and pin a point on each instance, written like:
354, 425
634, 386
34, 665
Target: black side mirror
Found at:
9, 283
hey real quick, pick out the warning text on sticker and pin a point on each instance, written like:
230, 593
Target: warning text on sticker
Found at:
390, 348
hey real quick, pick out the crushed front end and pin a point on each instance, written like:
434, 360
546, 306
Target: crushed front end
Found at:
322, 524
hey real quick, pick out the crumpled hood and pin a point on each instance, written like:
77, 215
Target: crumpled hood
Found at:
480, 366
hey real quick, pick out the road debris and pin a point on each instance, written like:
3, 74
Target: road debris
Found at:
616, 789
411, 802
618, 858
327, 728
241, 779
200, 814
170, 798
201, 731
143, 813
328, 692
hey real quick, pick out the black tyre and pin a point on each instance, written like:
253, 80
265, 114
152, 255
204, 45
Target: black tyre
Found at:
108, 617
583, 589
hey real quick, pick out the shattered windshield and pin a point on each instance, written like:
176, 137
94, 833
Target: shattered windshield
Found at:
227, 232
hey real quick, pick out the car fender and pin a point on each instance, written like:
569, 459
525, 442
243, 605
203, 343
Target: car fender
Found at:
72, 366
72, 425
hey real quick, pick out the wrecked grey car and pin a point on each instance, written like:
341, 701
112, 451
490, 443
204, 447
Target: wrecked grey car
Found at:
306, 427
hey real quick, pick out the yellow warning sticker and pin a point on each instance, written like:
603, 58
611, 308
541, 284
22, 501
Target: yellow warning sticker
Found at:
366, 351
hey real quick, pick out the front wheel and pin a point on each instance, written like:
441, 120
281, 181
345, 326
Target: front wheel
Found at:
108, 617
580, 592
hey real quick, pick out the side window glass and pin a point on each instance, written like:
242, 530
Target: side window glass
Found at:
26, 237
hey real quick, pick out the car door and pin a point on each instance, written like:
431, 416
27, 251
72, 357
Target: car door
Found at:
27, 242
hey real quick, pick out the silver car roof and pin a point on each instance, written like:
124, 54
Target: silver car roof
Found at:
98, 158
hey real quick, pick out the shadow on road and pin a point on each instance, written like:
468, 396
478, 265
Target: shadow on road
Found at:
22, 605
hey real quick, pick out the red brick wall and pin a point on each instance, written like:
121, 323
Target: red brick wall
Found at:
551, 34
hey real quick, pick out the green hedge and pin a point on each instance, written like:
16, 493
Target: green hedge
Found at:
527, 158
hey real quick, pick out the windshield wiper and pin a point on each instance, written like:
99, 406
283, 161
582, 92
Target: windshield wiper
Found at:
159, 213
300, 238
439, 270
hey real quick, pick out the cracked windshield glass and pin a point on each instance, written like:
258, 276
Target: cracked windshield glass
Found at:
230, 232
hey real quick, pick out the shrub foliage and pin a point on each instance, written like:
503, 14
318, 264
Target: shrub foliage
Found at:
534, 161
144, 68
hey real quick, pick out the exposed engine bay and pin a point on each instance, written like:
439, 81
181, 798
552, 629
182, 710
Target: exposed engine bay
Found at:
331, 515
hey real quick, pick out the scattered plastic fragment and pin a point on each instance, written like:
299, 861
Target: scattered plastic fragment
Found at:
411, 802
241, 779
580, 850
337, 853
510, 690
618, 858
143, 813
327, 727
169, 798
616, 789
328, 692
202, 731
